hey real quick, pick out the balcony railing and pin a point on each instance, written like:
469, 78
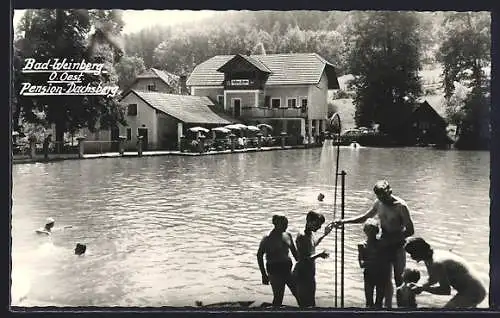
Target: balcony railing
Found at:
264, 112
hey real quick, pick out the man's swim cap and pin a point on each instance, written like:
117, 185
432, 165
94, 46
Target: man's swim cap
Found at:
49, 221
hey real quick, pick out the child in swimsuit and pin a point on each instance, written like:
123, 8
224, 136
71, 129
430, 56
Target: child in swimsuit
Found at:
373, 260
404, 294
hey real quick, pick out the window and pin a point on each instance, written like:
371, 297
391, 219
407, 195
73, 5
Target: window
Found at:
275, 102
267, 101
132, 110
303, 102
291, 102
129, 133
152, 87
220, 99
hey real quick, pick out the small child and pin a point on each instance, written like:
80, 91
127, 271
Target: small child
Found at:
404, 295
376, 267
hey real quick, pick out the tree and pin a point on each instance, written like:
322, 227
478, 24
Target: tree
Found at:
385, 60
78, 35
465, 54
127, 69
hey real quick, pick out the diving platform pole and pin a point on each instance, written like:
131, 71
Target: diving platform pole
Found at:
336, 127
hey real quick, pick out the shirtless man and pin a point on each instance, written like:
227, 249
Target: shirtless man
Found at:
446, 270
305, 269
276, 246
396, 225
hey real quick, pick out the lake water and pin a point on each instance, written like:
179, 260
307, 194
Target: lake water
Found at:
167, 231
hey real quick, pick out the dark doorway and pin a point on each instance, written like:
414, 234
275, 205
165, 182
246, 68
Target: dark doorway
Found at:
144, 133
115, 134
237, 108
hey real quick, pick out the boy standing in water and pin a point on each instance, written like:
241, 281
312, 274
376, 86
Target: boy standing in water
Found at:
276, 246
396, 225
405, 296
305, 269
375, 264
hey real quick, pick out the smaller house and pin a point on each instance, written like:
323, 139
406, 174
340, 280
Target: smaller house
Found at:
155, 80
162, 119
151, 80
426, 126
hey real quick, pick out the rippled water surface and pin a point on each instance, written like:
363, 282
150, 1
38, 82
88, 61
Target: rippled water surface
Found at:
167, 231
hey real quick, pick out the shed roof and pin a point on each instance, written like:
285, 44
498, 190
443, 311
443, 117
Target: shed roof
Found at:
186, 108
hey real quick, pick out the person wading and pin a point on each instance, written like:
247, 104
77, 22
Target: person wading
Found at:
277, 246
396, 225
305, 269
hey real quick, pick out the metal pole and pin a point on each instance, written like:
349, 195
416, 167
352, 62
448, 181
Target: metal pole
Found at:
336, 272
342, 206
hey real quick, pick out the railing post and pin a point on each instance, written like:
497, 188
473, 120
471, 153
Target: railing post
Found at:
233, 141
182, 143
81, 147
121, 145
201, 144
139, 146
283, 138
259, 140
32, 141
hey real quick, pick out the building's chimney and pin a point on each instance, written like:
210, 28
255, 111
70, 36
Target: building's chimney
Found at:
183, 90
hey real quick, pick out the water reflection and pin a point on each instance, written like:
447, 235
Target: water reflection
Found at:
166, 231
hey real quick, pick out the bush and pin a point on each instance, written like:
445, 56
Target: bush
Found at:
341, 94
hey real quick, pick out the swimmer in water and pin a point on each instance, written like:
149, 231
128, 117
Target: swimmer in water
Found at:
47, 229
321, 197
80, 249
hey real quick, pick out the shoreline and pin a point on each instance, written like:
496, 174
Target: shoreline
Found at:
131, 154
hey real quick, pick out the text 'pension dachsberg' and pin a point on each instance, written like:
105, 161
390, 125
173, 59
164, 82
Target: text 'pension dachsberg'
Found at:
65, 77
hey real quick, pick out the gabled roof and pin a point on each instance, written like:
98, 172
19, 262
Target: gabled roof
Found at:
186, 108
423, 106
169, 78
286, 69
256, 63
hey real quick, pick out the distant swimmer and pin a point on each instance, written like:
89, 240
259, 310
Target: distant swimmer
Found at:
80, 249
47, 229
321, 197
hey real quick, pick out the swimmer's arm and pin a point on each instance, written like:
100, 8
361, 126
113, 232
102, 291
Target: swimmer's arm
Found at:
293, 249
407, 221
260, 257
362, 218
443, 287
323, 254
361, 255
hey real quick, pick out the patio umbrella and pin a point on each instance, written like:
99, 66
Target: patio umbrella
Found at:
253, 128
222, 130
234, 127
266, 126
198, 129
